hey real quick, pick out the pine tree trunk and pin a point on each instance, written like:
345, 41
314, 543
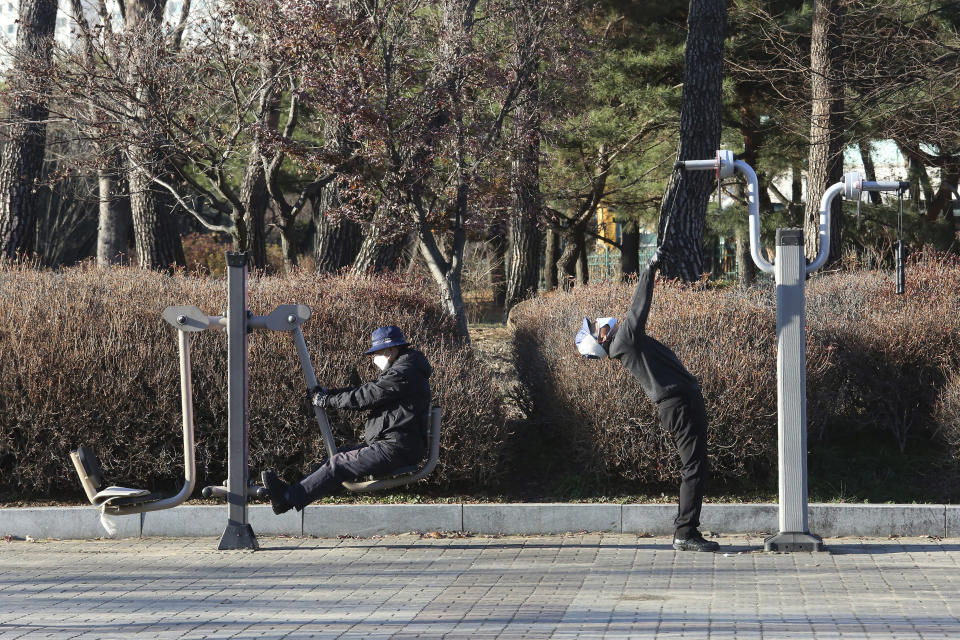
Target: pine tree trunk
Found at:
288, 246
550, 260
920, 177
497, 258
570, 261
524, 276
684, 204
746, 270
21, 161
335, 244
254, 193
381, 249
583, 265
158, 245
943, 200
825, 163
255, 200
113, 231
869, 171
523, 279
913, 171
629, 251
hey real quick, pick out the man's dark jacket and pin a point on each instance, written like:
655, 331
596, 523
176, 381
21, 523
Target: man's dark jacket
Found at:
656, 367
399, 402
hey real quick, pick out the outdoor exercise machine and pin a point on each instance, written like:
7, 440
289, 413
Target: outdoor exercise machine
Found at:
790, 270
238, 322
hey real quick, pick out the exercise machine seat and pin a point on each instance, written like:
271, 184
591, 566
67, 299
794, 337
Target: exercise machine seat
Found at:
406, 475
91, 477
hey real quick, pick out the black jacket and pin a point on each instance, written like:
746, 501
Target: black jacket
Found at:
656, 367
399, 402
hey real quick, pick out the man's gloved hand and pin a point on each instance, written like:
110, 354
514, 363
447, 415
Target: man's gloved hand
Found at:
320, 397
656, 261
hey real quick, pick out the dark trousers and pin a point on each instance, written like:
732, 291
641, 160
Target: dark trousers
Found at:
685, 417
350, 463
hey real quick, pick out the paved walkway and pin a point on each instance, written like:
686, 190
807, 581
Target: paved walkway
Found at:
573, 586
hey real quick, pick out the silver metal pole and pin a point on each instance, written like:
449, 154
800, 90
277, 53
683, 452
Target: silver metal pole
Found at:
238, 533
311, 379
790, 273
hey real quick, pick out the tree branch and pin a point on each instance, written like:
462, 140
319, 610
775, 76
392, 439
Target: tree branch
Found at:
226, 228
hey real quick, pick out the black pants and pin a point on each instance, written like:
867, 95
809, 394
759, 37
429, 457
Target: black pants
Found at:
685, 417
350, 463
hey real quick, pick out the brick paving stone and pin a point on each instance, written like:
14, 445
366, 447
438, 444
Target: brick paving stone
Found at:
551, 586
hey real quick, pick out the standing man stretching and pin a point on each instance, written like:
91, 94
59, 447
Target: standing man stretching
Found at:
672, 388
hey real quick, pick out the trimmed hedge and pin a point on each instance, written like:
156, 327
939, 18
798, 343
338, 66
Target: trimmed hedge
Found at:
85, 358
877, 363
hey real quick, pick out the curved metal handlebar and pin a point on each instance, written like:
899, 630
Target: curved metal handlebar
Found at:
825, 204
851, 187
725, 165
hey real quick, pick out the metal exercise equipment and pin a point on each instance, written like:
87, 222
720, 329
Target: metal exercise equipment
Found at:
901, 275
238, 322
790, 270
125, 500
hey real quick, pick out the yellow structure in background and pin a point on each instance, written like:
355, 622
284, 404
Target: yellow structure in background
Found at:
606, 227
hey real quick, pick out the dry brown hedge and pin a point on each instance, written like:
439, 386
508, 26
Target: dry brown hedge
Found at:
877, 363
86, 358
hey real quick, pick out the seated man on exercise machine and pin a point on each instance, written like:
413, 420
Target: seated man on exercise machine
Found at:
671, 387
395, 432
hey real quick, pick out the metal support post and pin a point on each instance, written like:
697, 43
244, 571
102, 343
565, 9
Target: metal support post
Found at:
238, 534
790, 273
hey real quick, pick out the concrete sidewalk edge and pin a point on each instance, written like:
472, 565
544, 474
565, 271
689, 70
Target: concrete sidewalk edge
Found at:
366, 520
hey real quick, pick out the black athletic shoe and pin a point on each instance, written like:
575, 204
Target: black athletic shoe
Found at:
278, 489
695, 542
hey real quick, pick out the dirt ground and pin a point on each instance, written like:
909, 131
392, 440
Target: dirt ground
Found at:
493, 342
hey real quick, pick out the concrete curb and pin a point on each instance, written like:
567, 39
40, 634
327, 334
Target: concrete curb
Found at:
365, 520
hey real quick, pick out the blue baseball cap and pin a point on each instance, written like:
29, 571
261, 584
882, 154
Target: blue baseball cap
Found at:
386, 337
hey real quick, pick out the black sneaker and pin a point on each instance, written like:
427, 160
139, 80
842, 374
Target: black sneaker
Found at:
278, 489
695, 542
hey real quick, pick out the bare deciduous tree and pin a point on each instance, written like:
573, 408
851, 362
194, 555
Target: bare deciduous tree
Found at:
21, 159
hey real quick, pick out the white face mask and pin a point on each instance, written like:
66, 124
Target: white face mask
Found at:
382, 362
591, 348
